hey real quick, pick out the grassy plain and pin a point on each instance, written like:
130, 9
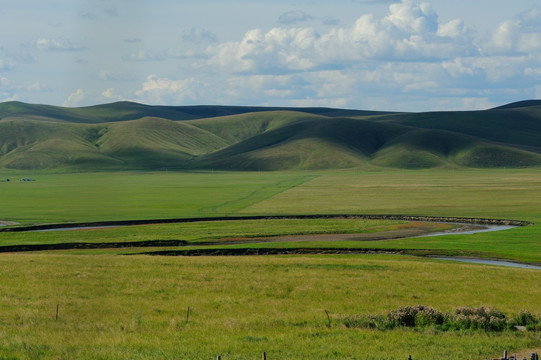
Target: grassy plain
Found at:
500, 194
77, 197
113, 307
134, 307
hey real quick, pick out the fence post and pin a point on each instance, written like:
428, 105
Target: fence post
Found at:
328, 319
219, 357
264, 356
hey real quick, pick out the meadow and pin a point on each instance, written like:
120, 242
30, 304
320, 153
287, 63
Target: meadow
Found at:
135, 307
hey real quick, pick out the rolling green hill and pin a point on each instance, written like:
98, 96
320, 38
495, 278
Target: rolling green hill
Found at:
128, 135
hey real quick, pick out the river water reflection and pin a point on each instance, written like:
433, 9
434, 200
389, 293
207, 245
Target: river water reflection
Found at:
490, 262
474, 229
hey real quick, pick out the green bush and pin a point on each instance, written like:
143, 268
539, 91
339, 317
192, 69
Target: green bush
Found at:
464, 318
479, 319
525, 318
534, 327
412, 316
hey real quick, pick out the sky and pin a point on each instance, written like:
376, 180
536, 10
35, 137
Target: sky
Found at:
403, 55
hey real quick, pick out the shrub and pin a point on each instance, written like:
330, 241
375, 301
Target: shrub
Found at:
496, 324
464, 318
525, 318
412, 316
479, 319
429, 316
403, 316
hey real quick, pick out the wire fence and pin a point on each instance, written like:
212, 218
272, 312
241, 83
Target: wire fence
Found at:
533, 356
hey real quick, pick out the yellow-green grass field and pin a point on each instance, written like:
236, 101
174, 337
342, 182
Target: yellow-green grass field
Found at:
113, 307
134, 307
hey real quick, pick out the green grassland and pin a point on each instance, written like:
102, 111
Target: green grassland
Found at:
79, 197
114, 307
87, 197
134, 307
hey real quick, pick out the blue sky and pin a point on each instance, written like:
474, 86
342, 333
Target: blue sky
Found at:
405, 55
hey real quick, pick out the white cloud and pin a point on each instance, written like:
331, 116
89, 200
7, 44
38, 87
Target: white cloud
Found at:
529, 43
534, 72
58, 44
410, 17
504, 37
521, 35
295, 16
111, 95
107, 75
479, 103
386, 54
144, 55
410, 31
406, 51
11, 91
74, 99
452, 29
157, 90
530, 20
458, 68
37, 87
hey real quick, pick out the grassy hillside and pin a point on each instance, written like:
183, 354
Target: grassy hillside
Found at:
125, 110
126, 136
33, 144
516, 124
154, 142
315, 143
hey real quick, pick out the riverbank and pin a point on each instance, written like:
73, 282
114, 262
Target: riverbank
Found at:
100, 224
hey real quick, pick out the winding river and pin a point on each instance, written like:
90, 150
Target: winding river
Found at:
467, 226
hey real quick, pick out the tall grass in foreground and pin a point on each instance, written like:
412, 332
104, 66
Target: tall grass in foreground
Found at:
114, 307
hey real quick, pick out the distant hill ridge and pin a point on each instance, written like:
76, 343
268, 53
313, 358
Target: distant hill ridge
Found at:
127, 135
126, 110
